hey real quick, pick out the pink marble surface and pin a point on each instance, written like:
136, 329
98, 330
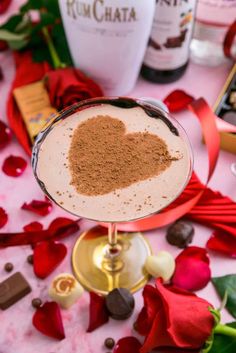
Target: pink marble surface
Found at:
16, 331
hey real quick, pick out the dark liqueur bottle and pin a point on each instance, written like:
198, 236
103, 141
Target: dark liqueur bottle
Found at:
167, 54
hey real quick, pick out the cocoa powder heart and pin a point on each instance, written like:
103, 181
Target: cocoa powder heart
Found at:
103, 157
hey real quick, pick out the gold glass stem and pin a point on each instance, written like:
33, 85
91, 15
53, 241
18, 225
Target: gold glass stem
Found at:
112, 234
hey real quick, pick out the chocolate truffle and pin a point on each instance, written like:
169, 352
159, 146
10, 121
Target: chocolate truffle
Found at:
180, 234
120, 303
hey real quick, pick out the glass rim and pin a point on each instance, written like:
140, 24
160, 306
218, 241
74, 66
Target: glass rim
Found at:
68, 111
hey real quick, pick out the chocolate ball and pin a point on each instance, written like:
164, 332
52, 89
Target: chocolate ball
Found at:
109, 343
180, 234
8, 267
36, 302
30, 259
120, 303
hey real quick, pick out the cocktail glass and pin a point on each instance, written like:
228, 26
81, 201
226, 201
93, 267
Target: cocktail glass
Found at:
102, 259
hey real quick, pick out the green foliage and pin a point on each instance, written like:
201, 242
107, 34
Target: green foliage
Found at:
223, 343
20, 33
227, 284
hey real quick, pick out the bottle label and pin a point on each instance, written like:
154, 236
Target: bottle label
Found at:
168, 46
108, 39
216, 12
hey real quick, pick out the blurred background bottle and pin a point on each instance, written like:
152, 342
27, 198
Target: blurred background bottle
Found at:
213, 18
167, 53
108, 39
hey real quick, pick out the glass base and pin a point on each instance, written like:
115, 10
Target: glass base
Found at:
101, 268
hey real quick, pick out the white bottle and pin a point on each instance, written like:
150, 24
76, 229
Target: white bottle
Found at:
108, 39
213, 18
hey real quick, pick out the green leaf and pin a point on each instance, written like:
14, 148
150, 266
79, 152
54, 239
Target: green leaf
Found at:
12, 23
41, 54
224, 344
18, 45
60, 42
10, 36
32, 5
227, 284
52, 6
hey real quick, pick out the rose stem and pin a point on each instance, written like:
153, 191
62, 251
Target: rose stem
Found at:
52, 50
225, 330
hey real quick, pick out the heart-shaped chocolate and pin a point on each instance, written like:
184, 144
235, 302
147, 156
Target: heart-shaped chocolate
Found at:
162, 265
47, 256
47, 319
103, 157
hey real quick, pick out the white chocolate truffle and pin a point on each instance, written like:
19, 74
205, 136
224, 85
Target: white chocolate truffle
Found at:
162, 265
65, 290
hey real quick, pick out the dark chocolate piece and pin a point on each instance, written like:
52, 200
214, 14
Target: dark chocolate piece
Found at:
8, 267
36, 302
120, 303
30, 259
13, 289
180, 234
109, 342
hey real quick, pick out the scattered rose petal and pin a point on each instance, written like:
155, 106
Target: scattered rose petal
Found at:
127, 345
5, 134
33, 227
3, 217
42, 208
47, 319
4, 4
47, 256
14, 166
222, 242
98, 314
179, 319
62, 228
192, 270
177, 100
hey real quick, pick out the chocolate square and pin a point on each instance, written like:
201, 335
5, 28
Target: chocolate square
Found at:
13, 289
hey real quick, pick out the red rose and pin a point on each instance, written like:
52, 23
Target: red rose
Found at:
173, 318
69, 85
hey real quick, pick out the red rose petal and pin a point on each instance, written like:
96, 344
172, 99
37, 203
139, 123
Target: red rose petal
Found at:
4, 4
42, 208
3, 217
5, 135
47, 319
98, 314
222, 242
146, 316
33, 227
47, 256
31, 238
127, 345
177, 100
192, 271
14, 166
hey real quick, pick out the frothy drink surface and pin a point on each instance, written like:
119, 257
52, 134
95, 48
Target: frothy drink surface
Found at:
113, 164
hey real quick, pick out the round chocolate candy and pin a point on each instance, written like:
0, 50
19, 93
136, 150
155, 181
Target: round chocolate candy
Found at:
109, 343
120, 303
8, 267
180, 234
30, 259
36, 302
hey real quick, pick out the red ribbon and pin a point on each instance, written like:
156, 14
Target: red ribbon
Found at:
211, 136
229, 40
